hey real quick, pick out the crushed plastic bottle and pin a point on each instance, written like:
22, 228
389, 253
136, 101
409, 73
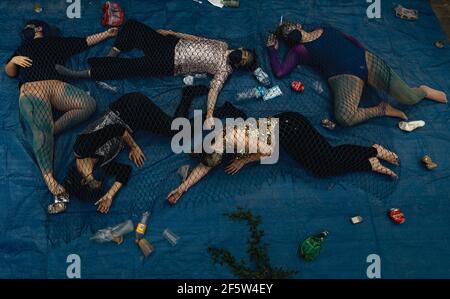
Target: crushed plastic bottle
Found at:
272, 93
114, 233
262, 77
256, 92
170, 236
106, 86
318, 87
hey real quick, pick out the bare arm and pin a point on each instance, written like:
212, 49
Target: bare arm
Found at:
12, 67
99, 37
216, 86
237, 164
196, 175
105, 202
136, 154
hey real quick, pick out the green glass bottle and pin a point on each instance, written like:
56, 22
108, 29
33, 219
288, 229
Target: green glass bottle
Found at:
230, 3
310, 248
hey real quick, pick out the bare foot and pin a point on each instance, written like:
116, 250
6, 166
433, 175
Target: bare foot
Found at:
386, 155
378, 167
434, 95
394, 112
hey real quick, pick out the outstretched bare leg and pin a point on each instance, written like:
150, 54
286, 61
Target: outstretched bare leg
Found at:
378, 167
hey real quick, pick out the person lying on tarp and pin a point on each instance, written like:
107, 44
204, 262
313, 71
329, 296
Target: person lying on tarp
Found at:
348, 66
96, 148
253, 141
168, 53
43, 89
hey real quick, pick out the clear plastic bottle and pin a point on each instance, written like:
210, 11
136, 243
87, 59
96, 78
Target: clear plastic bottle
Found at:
256, 92
106, 86
141, 228
262, 77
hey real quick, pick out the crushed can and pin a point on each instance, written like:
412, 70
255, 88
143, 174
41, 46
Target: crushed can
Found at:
397, 216
328, 124
297, 86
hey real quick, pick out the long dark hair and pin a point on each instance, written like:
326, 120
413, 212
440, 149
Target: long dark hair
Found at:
47, 30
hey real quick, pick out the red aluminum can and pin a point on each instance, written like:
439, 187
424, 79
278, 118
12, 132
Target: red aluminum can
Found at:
297, 86
397, 216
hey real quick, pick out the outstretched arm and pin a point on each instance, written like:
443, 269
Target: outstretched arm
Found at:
12, 67
237, 164
196, 175
216, 86
291, 60
99, 37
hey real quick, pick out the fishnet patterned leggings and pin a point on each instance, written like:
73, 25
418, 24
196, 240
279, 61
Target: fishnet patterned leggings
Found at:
348, 89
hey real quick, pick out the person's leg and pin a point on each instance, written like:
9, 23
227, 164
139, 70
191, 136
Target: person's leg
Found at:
141, 113
134, 34
36, 113
347, 91
383, 77
76, 104
188, 93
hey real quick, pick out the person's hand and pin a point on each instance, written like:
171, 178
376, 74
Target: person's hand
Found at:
174, 195
104, 203
272, 41
22, 61
112, 31
209, 122
234, 166
137, 156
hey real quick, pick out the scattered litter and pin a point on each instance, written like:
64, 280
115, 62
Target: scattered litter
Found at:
198, 1
328, 124
113, 233
145, 247
318, 87
230, 3
217, 3
59, 204
440, 44
183, 172
411, 126
113, 14
141, 228
406, 13
256, 92
356, 219
188, 80
310, 248
262, 77
397, 216
297, 86
428, 163
106, 86
170, 236
272, 93
281, 21
38, 8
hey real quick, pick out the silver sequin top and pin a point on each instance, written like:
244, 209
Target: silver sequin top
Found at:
239, 139
203, 56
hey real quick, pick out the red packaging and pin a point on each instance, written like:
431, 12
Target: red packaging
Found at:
113, 14
297, 86
397, 216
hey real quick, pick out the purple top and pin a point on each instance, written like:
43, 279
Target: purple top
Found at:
295, 56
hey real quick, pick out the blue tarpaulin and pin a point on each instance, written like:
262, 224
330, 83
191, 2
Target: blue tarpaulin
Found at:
292, 204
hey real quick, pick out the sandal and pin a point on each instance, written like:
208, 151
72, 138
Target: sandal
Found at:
406, 13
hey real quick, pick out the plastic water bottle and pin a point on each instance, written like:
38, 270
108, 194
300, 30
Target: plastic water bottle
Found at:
256, 92
262, 77
106, 86
272, 93
141, 228
310, 248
